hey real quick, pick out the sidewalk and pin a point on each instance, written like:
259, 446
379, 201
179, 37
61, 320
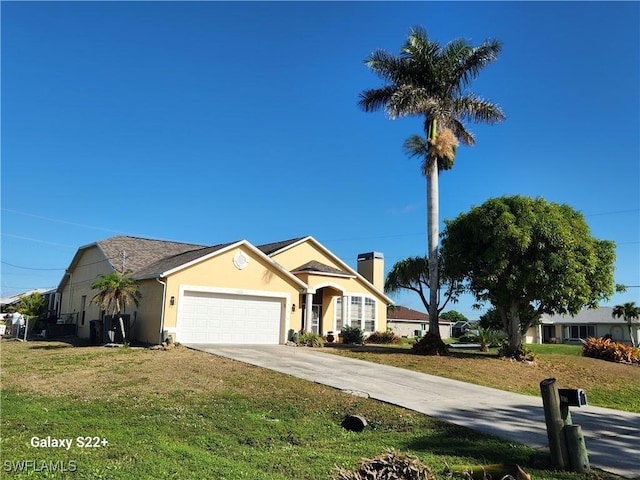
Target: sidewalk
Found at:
612, 437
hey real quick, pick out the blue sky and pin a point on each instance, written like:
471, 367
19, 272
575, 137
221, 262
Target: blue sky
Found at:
207, 122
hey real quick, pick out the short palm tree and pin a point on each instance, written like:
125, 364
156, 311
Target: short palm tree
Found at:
432, 82
115, 291
630, 312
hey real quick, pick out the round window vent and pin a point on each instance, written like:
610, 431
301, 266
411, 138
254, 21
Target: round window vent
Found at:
240, 260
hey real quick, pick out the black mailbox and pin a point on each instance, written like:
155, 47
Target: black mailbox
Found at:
572, 397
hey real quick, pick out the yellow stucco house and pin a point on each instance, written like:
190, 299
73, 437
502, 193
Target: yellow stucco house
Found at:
233, 293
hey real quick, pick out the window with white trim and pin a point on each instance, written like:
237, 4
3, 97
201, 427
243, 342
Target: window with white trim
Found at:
369, 315
355, 319
362, 312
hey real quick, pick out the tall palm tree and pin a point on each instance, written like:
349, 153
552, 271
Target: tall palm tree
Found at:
432, 82
630, 312
115, 291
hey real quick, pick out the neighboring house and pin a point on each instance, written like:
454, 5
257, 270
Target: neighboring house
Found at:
409, 323
459, 328
50, 297
587, 323
230, 293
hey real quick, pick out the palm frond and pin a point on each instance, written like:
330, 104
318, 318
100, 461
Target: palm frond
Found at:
460, 131
471, 61
410, 273
477, 110
376, 98
386, 65
415, 146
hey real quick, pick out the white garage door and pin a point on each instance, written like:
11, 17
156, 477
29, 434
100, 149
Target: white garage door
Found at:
219, 318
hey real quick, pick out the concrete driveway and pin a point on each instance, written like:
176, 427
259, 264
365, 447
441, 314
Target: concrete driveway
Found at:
612, 437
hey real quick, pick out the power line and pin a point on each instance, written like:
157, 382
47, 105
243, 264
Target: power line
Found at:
612, 213
84, 225
37, 240
30, 268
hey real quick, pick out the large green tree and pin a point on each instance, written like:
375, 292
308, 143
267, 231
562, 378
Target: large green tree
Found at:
432, 82
528, 257
115, 291
630, 312
453, 316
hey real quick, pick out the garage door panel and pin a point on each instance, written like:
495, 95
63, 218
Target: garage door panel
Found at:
220, 318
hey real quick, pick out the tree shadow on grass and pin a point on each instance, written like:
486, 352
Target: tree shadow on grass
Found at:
461, 442
378, 349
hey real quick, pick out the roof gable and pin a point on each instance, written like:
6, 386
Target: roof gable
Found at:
330, 257
275, 247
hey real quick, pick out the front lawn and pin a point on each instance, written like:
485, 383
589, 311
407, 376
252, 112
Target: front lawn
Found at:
607, 384
190, 415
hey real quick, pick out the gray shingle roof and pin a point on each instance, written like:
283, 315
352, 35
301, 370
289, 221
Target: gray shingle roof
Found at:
138, 253
269, 248
169, 263
314, 266
584, 316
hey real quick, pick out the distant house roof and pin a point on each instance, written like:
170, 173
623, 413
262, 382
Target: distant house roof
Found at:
585, 316
13, 299
405, 314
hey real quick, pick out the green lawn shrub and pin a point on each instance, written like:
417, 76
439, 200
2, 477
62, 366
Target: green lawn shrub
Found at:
309, 339
352, 335
385, 338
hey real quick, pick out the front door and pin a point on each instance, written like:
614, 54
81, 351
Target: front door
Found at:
548, 333
316, 312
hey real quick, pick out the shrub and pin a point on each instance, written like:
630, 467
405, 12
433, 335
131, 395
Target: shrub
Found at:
309, 339
430, 344
392, 466
352, 335
487, 337
606, 349
383, 338
523, 355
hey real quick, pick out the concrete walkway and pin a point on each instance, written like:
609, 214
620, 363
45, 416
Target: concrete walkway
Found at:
612, 437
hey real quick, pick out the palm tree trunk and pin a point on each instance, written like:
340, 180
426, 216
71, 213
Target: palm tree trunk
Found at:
432, 241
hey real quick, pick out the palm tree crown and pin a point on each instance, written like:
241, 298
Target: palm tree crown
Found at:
432, 81
115, 291
630, 312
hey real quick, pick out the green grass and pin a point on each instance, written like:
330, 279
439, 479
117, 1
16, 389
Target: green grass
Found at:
555, 349
189, 415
